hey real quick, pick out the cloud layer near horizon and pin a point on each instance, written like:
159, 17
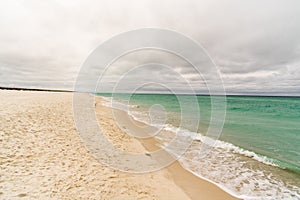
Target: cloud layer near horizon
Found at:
255, 43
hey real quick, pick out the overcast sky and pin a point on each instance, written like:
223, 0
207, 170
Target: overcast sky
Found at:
255, 44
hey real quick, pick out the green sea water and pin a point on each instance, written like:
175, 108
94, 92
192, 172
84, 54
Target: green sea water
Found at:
267, 126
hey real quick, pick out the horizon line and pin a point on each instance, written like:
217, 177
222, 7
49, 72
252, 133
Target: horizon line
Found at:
145, 93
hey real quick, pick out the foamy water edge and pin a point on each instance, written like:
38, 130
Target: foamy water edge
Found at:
197, 136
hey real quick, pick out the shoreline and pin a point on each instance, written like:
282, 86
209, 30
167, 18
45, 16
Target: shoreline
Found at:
186, 180
43, 157
246, 169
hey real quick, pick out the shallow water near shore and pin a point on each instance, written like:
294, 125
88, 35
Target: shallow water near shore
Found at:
257, 155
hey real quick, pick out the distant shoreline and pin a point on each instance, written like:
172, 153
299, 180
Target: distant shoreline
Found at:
34, 89
227, 95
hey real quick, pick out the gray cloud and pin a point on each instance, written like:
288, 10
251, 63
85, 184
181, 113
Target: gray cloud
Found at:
255, 43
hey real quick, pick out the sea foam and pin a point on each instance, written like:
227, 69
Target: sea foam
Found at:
225, 166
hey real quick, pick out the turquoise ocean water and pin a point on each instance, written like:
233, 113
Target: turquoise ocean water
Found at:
258, 153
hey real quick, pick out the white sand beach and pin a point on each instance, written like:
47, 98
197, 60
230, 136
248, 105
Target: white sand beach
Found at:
42, 156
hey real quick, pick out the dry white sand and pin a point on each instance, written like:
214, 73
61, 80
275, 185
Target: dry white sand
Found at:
42, 157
